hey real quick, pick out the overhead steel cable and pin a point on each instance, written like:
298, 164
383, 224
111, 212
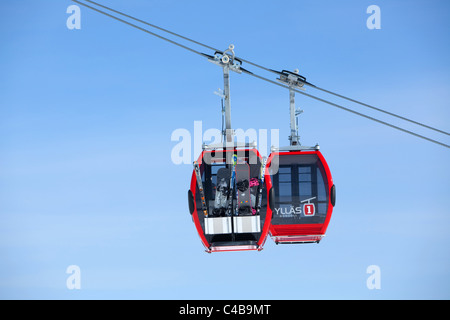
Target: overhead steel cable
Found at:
264, 68
350, 110
151, 25
177, 35
268, 69
139, 28
380, 110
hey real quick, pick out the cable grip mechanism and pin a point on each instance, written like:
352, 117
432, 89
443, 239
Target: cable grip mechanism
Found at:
228, 59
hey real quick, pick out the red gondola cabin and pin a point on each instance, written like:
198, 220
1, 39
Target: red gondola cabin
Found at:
304, 195
229, 221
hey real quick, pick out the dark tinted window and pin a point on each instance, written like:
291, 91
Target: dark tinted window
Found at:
298, 181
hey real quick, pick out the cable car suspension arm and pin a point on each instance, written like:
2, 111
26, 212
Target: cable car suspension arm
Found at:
228, 62
294, 81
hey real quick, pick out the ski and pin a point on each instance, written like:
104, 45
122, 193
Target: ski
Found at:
200, 188
221, 196
231, 185
261, 185
243, 191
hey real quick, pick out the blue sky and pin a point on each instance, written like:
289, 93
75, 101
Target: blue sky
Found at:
86, 177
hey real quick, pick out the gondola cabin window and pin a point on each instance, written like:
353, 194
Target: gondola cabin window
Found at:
300, 193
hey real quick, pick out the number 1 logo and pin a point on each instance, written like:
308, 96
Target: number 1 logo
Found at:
309, 209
